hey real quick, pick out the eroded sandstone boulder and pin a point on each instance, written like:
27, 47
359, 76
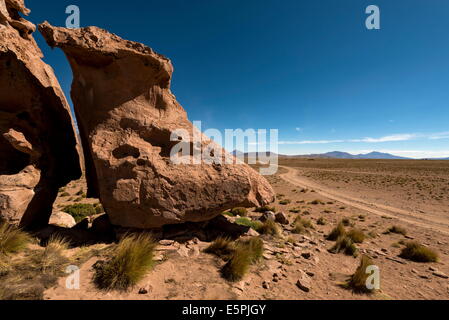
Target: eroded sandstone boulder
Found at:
38, 147
126, 114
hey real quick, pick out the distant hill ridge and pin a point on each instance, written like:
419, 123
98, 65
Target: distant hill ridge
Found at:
337, 155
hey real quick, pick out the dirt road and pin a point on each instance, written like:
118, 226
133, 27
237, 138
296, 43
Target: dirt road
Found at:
433, 223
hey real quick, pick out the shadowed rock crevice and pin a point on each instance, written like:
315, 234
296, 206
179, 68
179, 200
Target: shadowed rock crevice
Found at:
38, 147
127, 115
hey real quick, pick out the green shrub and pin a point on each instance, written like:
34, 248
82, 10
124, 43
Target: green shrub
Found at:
417, 252
346, 245
240, 211
337, 232
357, 282
295, 210
249, 223
132, 259
80, 211
98, 208
12, 239
356, 235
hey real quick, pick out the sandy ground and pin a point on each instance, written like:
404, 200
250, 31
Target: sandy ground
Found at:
185, 272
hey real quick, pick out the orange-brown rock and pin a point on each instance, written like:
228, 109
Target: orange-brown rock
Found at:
38, 147
126, 114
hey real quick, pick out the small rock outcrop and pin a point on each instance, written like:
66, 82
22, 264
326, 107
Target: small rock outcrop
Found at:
127, 115
38, 146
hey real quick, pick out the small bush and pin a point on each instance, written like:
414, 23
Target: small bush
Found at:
346, 245
295, 210
249, 223
80, 211
65, 194
245, 253
397, 230
321, 221
221, 247
265, 209
337, 232
285, 202
239, 212
269, 227
52, 258
301, 225
132, 259
356, 235
12, 239
417, 252
80, 193
357, 282
316, 202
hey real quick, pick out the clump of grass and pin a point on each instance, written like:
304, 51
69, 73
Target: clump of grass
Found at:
265, 209
65, 194
321, 221
295, 210
221, 247
346, 245
256, 225
52, 258
302, 225
132, 259
357, 282
240, 211
80, 211
417, 252
316, 202
245, 253
12, 239
80, 192
337, 232
285, 202
397, 230
356, 235
269, 227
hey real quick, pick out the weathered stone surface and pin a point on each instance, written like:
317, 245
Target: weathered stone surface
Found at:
127, 115
38, 147
282, 218
62, 219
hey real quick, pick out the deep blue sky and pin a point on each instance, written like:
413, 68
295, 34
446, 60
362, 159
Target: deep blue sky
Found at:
308, 68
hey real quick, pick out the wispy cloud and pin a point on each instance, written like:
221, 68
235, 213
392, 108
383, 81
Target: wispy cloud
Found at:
388, 138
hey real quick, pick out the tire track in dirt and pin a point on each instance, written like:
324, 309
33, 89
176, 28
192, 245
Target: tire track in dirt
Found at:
431, 223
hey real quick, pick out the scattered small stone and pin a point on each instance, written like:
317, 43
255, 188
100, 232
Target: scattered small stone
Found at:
281, 218
306, 255
265, 285
143, 291
166, 242
432, 269
304, 283
440, 274
310, 274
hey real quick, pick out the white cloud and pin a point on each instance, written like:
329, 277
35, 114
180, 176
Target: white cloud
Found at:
389, 138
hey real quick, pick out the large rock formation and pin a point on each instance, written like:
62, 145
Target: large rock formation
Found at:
38, 147
126, 114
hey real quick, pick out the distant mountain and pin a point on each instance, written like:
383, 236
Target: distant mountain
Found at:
335, 155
